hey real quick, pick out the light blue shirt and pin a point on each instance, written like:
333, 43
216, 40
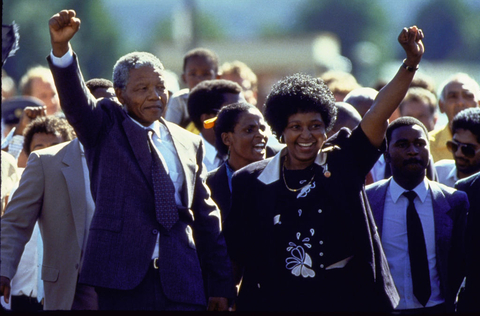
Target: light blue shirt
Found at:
395, 242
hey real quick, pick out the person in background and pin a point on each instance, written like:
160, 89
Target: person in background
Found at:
204, 103
340, 83
199, 64
464, 146
240, 137
421, 224
17, 113
347, 116
457, 93
101, 88
299, 227
38, 83
21, 244
422, 105
361, 99
468, 299
240, 73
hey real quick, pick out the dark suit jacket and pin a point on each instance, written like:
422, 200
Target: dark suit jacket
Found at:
249, 226
124, 228
450, 212
470, 301
217, 181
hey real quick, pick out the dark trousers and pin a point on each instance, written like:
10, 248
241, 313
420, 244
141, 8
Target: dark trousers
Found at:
148, 295
25, 303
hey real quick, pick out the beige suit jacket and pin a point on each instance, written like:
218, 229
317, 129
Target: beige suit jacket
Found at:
52, 191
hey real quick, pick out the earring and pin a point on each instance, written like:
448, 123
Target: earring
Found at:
228, 153
280, 139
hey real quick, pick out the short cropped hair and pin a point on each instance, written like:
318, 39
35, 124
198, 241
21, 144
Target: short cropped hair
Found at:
299, 93
208, 97
98, 83
52, 125
420, 95
37, 72
226, 121
135, 60
468, 119
403, 121
204, 53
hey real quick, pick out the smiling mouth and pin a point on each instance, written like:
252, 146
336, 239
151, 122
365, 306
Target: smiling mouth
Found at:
305, 144
259, 147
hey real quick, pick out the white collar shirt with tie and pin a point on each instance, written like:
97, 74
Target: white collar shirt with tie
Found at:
395, 242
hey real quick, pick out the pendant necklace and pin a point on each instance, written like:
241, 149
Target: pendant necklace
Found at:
285, 181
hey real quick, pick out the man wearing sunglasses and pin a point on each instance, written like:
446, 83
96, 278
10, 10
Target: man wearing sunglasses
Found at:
465, 147
459, 92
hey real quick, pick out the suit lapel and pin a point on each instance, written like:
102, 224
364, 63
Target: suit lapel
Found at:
74, 179
189, 166
376, 198
441, 211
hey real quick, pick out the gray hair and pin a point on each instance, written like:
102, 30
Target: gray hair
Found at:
133, 60
459, 77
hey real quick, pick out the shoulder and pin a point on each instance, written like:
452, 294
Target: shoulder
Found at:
445, 164
180, 132
377, 186
251, 170
212, 175
52, 150
450, 193
472, 181
182, 94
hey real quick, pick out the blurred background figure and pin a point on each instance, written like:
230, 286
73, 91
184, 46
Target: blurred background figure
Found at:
347, 116
101, 88
38, 82
199, 64
422, 105
457, 93
240, 73
361, 99
340, 83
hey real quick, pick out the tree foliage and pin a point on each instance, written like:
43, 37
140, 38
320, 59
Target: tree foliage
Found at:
95, 43
453, 30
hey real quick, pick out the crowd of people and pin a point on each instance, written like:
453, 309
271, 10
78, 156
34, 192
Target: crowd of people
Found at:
332, 197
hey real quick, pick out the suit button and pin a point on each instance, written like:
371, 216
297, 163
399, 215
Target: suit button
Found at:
320, 211
155, 232
321, 242
322, 266
321, 254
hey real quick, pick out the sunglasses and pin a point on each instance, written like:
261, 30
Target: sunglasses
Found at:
468, 150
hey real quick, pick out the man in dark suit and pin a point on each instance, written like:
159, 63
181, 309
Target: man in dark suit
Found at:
155, 230
469, 301
439, 213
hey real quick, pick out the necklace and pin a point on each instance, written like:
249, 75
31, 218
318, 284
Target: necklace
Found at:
299, 189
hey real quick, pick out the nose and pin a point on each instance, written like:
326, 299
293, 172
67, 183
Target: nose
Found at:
413, 150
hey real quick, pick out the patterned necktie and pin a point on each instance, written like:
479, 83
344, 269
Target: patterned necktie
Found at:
417, 251
164, 190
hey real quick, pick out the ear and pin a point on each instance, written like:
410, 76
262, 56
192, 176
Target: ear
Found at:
119, 94
226, 139
184, 79
387, 157
441, 106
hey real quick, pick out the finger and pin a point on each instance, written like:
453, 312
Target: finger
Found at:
6, 294
420, 35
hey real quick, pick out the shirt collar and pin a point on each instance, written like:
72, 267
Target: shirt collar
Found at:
396, 190
453, 174
156, 126
210, 150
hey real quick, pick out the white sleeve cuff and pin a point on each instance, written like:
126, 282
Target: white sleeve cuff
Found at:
63, 61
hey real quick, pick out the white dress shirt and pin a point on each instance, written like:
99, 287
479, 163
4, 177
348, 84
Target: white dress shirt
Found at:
447, 172
211, 159
395, 242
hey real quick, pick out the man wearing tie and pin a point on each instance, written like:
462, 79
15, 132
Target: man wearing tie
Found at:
155, 241
421, 223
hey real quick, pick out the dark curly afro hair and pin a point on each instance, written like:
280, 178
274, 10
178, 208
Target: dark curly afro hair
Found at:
299, 93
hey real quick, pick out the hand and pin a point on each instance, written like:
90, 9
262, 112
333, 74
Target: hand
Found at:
29, 114
219, 304
411, 41
5, 288
63, 27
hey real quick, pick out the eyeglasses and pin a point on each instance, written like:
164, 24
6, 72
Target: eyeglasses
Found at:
468, 150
